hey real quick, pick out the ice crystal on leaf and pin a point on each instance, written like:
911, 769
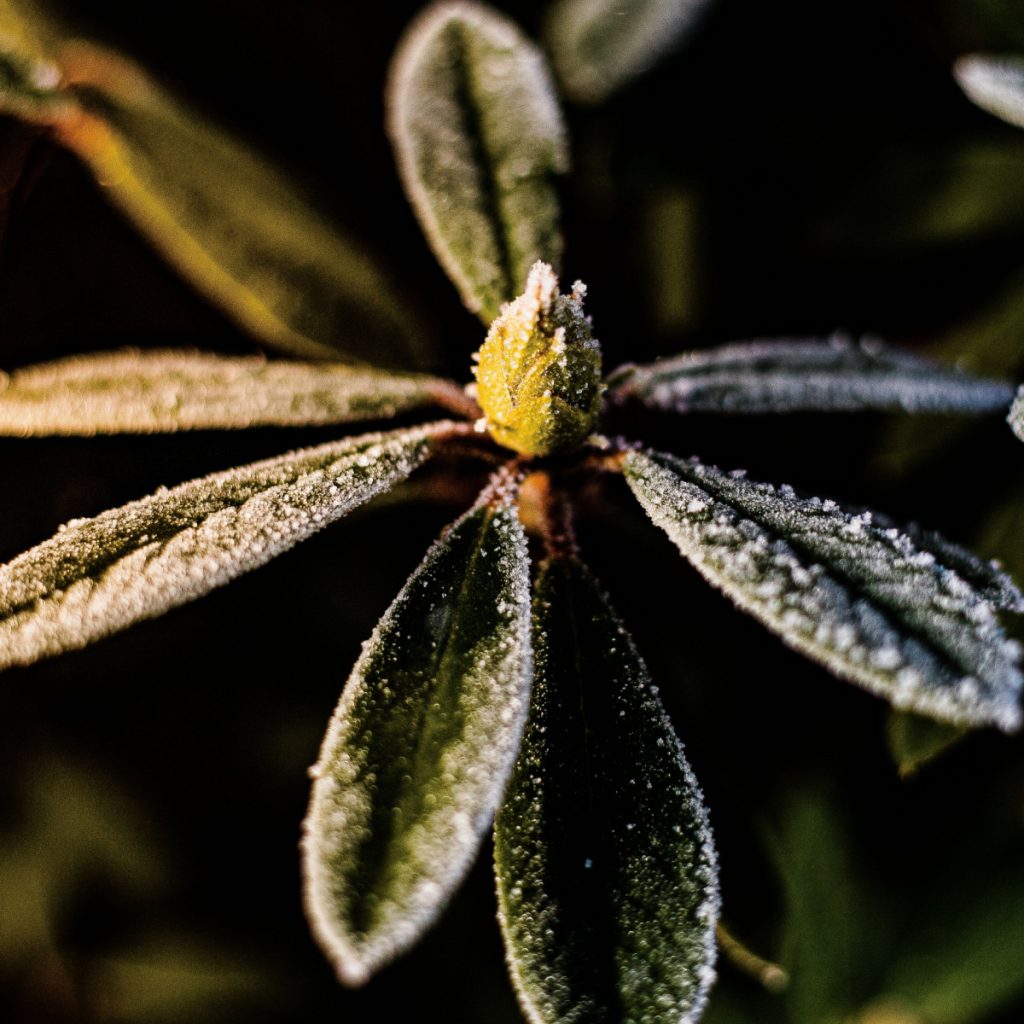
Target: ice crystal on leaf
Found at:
476, 697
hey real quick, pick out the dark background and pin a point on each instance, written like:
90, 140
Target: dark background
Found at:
792, 169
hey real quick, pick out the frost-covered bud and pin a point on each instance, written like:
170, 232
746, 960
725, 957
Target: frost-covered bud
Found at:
539, 371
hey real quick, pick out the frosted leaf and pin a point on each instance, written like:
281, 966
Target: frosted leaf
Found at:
1016, 417
597, 45
479, 138
832, 375
996, 84
97, 576
607, 873
860, 598
421, 744
235, 226
145, 392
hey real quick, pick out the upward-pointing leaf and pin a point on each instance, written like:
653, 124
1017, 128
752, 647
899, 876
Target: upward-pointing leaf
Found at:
599, 44
834, 375
607, 876
97, 576
147, 392
1016, 417
421, 745
861, 599
479, 137
995, 84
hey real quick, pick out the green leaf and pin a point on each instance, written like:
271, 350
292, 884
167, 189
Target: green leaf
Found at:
97, 576
479, 138
607, 875
597, 45
996, 84
233, 225
861, 599
147, 392
421, 744
30, 85
833, 375
914, 741
1016, 417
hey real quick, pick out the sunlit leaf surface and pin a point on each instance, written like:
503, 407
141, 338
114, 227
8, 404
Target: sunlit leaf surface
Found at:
607, 877
831, 375
97, 576
479, 138
148, 392
421, 745
860, 598
597, 45
995, 84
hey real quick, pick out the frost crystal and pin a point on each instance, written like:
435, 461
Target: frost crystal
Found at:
860, 598
995, 84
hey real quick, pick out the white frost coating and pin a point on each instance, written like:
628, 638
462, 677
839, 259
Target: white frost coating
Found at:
478, 135
146, 392
422, 742
1016, 417
597, 45
835, 374
97, 576
606, 865
860, 598
996, 84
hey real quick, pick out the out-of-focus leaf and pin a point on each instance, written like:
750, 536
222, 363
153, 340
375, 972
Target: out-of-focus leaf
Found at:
1001, 530
230, 223
607, 875
861, 599
914, 741
596, 45
1016, 417
97, 576
966, 964
29, 85
147, 392
995, 84
833, 375
479, 138
421, 744
831, 930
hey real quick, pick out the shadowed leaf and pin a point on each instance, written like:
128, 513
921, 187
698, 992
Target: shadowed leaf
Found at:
861, 599
97, 576
834, 375
996, 84
421, 744
479, 137
607, 875
596, 45
914, 741
148, 392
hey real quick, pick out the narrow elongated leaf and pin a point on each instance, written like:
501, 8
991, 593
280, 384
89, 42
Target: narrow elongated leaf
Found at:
97, 576
861, 599
597, 45
479, 137
833, 375
147, 392
996, 84
420, 747
1016, 417
232, 224
29, 85
607, 875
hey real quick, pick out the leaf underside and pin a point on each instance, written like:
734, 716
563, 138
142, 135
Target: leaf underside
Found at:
421, 744
597, 45
833, 375
1016, 417
479, 138
861, 599
147, 392
97, 576
996, 84
607, 875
